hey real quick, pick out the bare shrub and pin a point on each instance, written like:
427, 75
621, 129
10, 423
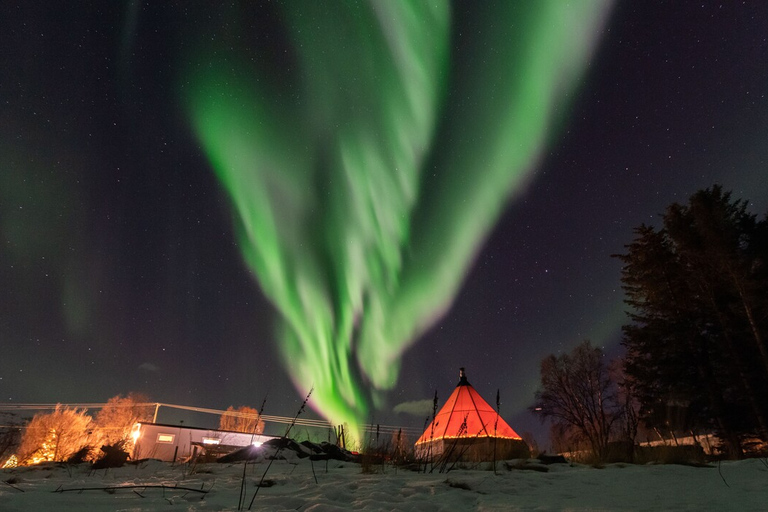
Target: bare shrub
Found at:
401, 448
567, 440
113, 457
56, 436
371, 462
530, 440
243, 419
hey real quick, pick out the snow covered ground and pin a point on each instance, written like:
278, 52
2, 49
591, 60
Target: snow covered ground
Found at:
741, 486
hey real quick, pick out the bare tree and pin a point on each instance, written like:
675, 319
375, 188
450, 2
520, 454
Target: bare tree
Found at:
56, 436
116, 419
242, 419
579, 397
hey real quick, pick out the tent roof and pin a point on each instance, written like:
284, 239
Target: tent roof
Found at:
466, 403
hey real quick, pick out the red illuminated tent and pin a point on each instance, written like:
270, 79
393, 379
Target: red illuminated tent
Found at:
468, 428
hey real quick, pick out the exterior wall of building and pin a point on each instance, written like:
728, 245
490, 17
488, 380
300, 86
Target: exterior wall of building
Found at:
174, 442
473, 449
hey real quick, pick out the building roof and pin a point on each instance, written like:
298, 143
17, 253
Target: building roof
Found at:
467, 415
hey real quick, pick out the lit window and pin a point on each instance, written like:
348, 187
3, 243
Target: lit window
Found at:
211, 440
165, 438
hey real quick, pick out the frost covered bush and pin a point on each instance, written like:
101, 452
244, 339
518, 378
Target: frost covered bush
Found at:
116, 419
56, 436
243, 419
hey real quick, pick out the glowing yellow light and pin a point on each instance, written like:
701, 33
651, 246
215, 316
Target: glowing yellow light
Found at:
47, 449
12, 462
136, 432
256, 443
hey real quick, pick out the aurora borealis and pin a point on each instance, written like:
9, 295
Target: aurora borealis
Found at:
214, 205
357, 247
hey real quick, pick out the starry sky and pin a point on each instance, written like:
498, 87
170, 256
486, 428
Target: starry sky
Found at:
123, 258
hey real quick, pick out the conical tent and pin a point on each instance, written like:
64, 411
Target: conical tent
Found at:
469, 424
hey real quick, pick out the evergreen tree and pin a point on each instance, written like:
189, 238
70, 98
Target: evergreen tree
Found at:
698, 290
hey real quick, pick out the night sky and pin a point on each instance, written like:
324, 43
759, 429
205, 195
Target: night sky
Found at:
122, 262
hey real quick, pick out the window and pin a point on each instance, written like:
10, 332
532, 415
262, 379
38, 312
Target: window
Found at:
211, 440
165, 438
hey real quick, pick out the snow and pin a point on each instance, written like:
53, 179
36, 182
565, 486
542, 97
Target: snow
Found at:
734, 485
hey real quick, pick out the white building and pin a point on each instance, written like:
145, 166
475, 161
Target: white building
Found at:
175, 442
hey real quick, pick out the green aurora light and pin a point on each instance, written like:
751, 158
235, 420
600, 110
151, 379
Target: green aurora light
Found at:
368, 169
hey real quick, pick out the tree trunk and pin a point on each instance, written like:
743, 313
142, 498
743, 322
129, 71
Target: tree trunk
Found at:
758, 337
762, 424
716, 402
